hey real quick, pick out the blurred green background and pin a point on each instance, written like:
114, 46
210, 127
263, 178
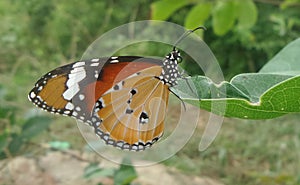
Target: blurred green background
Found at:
37, 36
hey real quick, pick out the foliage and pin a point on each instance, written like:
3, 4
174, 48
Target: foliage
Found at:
122, 176
272, 92
13, 141
224, 13
125, 174
242, 34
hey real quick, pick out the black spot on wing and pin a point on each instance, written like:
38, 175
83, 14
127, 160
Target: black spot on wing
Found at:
129, 111
133, 92
144, 118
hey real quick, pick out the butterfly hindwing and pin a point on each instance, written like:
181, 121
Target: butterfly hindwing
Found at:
131, 114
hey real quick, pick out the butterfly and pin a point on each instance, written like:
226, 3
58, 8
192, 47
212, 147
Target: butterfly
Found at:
124, 98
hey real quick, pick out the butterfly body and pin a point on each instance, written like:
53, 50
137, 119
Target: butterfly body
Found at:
170, 71
124, 98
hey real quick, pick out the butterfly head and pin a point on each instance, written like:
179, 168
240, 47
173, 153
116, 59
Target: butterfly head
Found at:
176, 55
170, 72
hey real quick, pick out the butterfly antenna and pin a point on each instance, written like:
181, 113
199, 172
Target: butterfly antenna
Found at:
187, 33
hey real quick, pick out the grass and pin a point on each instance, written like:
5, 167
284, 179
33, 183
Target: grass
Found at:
247, 152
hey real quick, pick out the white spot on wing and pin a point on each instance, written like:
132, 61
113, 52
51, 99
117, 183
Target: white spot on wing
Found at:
69, 93
114, 61
32, 95
40, 99
120, 144
94, 64
76, 75
81, 96
98, 123
105, 137
95, 60
78, 64
75, 114
69, 106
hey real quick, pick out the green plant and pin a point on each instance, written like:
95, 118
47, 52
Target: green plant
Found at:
224, 14
273, 91
14, 137
242, 34
124, 175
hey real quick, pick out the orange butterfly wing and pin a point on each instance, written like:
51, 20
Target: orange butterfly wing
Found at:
131, 114
73, 89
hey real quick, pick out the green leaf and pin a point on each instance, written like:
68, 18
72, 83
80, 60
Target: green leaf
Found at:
259, 83
273, 92
247, 14
3, 142
198, 15
34, 126
287, 61
288, 3
9, 114
93, 170
125, 174
162, 10
31, 128
224, 16
16, 144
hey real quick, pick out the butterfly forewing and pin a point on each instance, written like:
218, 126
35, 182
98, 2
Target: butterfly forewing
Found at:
62, 89
73, 89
